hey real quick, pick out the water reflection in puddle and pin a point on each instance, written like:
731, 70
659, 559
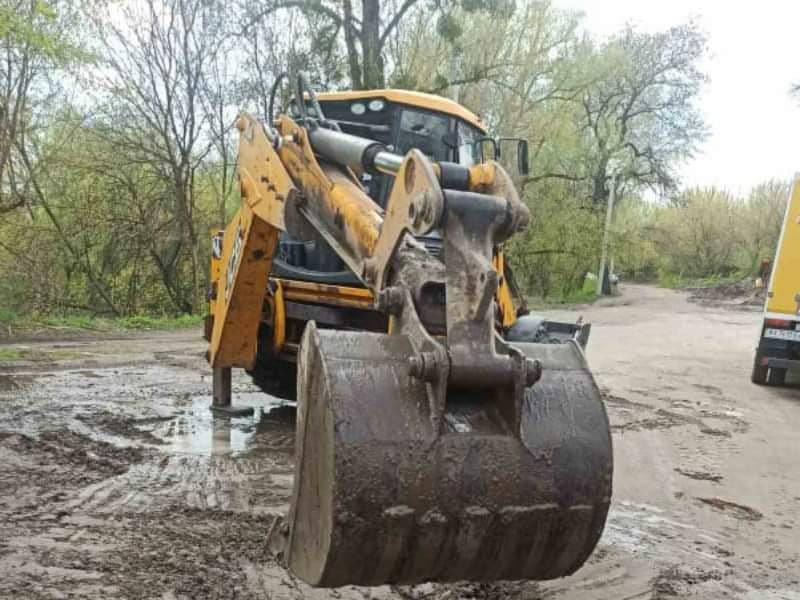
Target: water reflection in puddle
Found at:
196, 430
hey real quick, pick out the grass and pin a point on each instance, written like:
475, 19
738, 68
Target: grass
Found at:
145, 322
11, 355
12, 322
585, 295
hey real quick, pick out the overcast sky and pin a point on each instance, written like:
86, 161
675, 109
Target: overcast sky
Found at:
754, 57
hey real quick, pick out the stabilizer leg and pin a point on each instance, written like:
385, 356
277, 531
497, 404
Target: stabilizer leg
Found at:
221, 402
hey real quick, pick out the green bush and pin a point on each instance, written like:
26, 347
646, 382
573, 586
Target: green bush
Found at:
147, 322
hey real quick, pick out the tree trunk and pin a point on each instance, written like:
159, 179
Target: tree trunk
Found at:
352, 50
599, 191
370, 45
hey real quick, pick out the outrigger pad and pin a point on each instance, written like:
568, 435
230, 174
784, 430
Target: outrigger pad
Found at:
380, 497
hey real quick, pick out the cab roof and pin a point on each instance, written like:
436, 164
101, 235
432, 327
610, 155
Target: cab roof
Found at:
417, 99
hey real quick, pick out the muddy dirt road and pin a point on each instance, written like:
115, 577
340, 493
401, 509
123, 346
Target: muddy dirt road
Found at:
115, 481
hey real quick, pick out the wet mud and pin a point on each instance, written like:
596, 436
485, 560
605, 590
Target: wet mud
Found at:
116, 481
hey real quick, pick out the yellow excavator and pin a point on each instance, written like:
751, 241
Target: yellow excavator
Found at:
441, 434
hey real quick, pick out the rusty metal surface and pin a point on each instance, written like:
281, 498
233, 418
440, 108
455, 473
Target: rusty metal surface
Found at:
383, 495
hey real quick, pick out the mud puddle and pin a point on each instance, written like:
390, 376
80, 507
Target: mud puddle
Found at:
197, 430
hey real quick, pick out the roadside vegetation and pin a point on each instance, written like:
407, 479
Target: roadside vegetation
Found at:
12, 325
700, 237
117, 145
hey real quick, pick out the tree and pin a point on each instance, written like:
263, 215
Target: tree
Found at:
697, 234
519, 64
363, 34
761, 220
37, 38
62, 204
639, 110
159, 60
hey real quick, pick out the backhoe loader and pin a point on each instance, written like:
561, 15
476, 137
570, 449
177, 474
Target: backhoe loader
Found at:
440, 435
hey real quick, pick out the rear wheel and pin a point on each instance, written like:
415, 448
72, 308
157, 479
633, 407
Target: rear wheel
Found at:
777, 376
271, 375
277, 378
759, 374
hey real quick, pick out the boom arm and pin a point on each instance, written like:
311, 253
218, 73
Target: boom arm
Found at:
285, 186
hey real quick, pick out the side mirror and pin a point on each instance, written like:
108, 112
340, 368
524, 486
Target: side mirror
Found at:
486, 148
523, 158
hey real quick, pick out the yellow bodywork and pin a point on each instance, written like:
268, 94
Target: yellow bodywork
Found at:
278, 313
248, 245
783, 296
247, 249
243, 294
503, 297
322, 293
417, 99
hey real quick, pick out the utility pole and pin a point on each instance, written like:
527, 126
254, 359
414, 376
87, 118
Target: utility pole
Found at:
603, 277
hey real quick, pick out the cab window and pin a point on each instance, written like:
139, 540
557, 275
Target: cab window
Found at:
468, 149
424, 131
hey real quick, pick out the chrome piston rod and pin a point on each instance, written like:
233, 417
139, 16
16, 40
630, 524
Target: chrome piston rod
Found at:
364, 155
360, 154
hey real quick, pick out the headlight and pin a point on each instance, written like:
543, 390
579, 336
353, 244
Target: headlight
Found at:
376, 105
358, 108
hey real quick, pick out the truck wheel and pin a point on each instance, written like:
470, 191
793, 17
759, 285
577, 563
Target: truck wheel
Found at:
759, 375
777, 377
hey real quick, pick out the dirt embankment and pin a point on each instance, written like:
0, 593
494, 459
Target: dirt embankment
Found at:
738, 294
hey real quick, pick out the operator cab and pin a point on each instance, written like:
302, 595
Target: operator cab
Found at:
441, 129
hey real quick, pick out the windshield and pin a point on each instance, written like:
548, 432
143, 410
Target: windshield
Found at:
424, 131
468, 149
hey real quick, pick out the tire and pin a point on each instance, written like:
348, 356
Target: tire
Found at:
276, 378
271, 375
759, 375
777, 377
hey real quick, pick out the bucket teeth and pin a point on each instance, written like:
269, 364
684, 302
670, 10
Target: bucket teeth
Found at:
381, 497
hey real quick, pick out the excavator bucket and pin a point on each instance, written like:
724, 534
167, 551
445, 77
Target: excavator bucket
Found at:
386, 494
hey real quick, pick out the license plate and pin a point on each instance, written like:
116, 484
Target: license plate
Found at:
782, 334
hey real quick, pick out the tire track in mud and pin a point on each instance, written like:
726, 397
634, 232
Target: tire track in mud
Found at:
112, 510
649, 551
171, 517
196, 482
701, 457
60, 460
40, 556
